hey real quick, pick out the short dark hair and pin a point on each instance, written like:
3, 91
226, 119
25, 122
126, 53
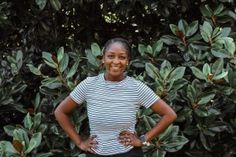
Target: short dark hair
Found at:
122, 41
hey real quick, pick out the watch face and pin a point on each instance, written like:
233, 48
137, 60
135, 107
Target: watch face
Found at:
143, 140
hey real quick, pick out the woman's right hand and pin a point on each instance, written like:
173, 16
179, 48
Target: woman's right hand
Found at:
89, 145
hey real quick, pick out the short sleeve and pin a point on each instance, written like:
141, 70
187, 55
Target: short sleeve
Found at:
79, 93
146, 95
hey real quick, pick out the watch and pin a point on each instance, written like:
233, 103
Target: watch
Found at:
144, 141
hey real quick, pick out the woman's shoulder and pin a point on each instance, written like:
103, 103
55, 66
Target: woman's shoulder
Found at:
92, 79
135, 81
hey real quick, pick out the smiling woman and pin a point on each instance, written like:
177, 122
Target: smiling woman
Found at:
113, 100
115, 59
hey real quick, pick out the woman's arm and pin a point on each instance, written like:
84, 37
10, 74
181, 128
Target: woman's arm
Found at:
168, 116
61, 114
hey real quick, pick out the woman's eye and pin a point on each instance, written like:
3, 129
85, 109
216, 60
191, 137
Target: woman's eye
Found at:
122, 57
110, 56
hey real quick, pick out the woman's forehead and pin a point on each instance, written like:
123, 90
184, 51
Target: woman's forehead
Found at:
116, 47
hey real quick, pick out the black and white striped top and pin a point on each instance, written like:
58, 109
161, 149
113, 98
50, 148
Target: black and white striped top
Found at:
112, 107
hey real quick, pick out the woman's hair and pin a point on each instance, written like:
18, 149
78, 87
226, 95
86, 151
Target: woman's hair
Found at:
122, 41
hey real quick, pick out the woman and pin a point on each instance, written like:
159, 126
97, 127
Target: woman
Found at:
112, 102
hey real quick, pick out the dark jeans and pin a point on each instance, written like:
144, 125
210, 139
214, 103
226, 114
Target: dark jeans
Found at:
135, 152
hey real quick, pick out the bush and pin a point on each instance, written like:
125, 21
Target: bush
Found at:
49, 46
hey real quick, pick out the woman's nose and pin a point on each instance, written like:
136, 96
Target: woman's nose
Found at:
116, 60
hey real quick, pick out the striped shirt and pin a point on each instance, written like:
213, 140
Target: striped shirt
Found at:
112, 108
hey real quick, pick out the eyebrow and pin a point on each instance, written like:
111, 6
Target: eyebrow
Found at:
122, 53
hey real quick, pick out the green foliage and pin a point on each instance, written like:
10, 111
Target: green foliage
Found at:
48, 46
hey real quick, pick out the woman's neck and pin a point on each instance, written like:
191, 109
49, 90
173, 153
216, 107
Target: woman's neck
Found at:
116, 79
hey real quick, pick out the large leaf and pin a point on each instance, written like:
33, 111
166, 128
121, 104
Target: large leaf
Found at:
64, 62
206, 69
175, 143
152, 71
51, 83
34, 142
8, 148
96, 51
192, 28
9, 129
206, 99
198, 73
174, 28
60, 54
41, 3
178, 73
34, 70
48, 59
206, 31
28, 122
73, 70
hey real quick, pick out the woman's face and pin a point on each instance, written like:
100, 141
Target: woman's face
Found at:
115, 60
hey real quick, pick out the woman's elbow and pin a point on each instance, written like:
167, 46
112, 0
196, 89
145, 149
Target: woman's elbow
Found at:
57, 113
173, 116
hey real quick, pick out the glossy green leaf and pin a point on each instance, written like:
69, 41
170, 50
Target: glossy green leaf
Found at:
19, 59
21, 135
51, 83
34, 142
152, 71
183, 26
8, 148
95, 49
141, 49
220, 76
170, 40
206, 31
73, 70
206, 99
225, 31
28, 122
149, 50
48, 59
192, 28
157, 47
37, 101
230, 46
41, 3
206, 11
64, 62
60, 54
146, 123
37, 120
34, 70
177, 73
219, 9
206, 69
173, 28
166, 134
9, 129
91, 58
204, 141
221, 53
198, 73
175, 143
217, 66
201, 112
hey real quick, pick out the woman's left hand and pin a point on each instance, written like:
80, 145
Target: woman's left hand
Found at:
128, 138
